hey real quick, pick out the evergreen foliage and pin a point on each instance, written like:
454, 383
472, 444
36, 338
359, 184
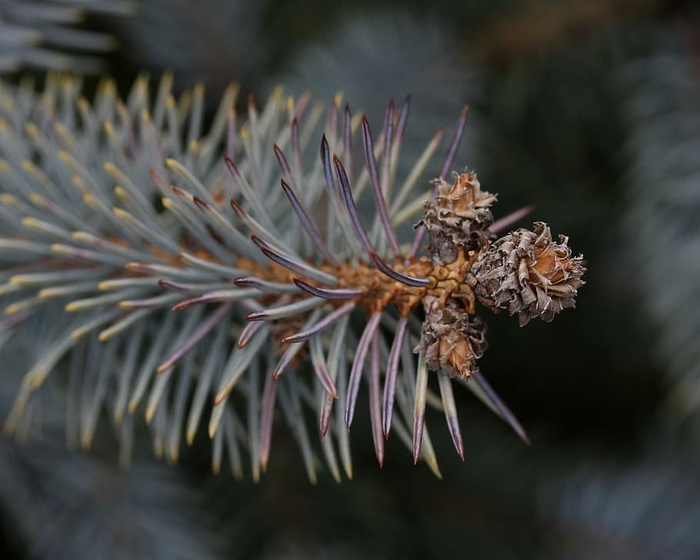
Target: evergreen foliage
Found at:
587, 111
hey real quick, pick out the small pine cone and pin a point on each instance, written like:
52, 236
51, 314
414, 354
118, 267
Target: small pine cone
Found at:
458, 216
526, 273
452, 341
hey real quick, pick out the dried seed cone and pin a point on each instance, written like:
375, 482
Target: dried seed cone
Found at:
525, 272
452, 340
458, 216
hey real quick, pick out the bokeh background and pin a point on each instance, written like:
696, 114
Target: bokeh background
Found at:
587, 109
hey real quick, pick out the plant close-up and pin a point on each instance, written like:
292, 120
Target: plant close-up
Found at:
47, 35
233, 265
372, 279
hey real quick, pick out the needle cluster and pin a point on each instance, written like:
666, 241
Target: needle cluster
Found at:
229, 273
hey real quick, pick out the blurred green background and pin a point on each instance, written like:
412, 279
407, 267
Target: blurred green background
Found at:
588, 110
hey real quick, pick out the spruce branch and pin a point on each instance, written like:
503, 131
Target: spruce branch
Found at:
663, 231
161, 260
619, 510
76, 506
375, 56
47, 34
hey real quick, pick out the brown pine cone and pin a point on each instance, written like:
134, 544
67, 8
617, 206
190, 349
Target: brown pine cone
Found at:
452, 340
526, 273
458, 216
